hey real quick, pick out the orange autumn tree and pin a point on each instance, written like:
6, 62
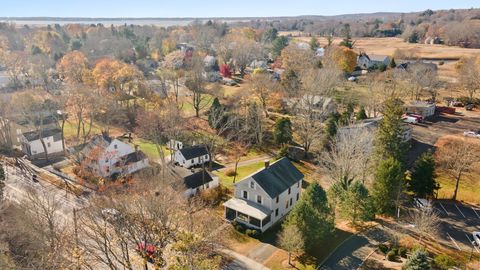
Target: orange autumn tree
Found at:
344, 58
114, 75
72, 66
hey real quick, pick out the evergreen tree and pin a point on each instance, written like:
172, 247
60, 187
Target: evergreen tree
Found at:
418, 261
346, 116
392, 63
388, 142
347, 36
314, 45
422, 182
290, 82
356, 204
215, 113
361, 114
331, 125
313, 216
282, 132
278, 45
387, 185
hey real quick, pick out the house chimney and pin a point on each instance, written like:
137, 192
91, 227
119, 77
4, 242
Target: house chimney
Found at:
267, 163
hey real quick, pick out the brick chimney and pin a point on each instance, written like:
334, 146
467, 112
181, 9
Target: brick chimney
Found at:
267, 163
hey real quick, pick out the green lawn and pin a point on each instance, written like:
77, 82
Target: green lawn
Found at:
468, 189
150, 148
187, 105
242, 172
70, 129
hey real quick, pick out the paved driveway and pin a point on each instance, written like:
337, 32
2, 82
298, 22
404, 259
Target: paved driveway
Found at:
354, 250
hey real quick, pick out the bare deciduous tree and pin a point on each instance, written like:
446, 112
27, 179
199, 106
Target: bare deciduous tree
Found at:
426, 222
457, 157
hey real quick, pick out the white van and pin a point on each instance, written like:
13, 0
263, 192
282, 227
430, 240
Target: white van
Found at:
410, 119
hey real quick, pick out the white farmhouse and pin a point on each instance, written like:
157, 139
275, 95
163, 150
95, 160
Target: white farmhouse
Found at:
265, 197
33, 147
192, 156
106, 157
365, 61
199, 181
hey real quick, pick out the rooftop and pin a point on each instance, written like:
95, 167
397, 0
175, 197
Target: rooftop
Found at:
250, 208
194, 151
197, 179
35, 135
278, 177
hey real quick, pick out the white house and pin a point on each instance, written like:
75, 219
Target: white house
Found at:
199, 181
422, 108
107, 157
372, 123
365, 61
32, 143
265, 197
192, 156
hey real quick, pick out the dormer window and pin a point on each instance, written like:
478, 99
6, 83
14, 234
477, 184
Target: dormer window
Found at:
252, 184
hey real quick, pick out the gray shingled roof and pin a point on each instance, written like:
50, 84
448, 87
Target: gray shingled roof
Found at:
194, 151
34, 135
278, 177
197, 179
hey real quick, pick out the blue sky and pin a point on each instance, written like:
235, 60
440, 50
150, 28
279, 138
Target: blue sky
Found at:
211, 8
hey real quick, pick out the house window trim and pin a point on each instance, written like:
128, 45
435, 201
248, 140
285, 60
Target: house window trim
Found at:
252, 185
259, 199
245, 195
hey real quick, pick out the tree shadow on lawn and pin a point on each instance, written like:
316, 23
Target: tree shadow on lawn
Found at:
417, 149
317, 254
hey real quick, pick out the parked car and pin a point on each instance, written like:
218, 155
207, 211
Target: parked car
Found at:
473, 134
422, 203
419, 117
476, 239
410, 119
469, 107
457, 104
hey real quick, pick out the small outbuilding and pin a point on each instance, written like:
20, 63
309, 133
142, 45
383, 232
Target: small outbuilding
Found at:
192, 156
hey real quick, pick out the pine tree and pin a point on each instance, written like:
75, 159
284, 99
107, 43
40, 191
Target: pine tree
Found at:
361, 114
418, 261
388, 141
356, 204
282, 132
387, 185
331, 125
290, 82
314, 45
215, 112
392, 63
422, 182
347, 36
313, 216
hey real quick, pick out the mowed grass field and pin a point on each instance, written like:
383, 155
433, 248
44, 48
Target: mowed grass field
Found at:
387, 46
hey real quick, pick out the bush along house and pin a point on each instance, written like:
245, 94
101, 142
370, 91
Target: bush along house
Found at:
265, 197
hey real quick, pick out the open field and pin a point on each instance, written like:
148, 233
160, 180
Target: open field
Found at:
387, 46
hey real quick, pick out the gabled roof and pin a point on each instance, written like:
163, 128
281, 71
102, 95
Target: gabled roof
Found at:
34, 135
194, 151
197, 179
278, 177
132, 158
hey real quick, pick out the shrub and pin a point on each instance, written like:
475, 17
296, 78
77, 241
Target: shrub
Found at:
391, 255
444, 262
230, 173
395, 251
383, 248
418, 260
402, 252
252, 233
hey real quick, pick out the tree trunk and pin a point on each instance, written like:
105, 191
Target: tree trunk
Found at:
63, 135
456, 186
236, 169
289, 258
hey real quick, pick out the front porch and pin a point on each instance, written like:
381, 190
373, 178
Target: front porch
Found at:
248, 213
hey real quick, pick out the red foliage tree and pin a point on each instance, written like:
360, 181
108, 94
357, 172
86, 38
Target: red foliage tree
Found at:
225, 71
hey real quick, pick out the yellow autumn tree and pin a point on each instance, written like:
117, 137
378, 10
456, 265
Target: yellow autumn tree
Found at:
72, 66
